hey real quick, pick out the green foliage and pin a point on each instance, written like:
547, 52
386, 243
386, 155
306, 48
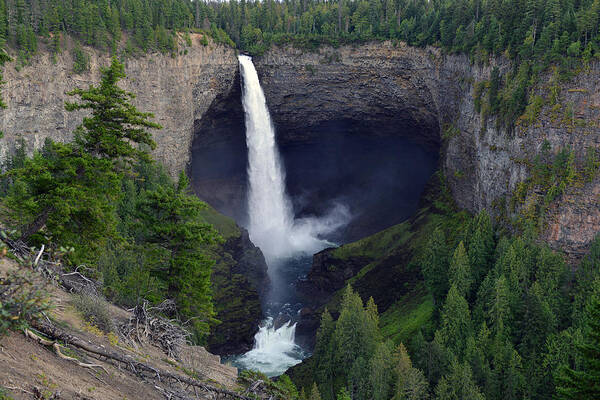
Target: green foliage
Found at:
172, 228
21, 300
70, 190
435, 265
352, 360
280, 389
584, 382
69, 194
102, 196
504, 337
460, 270
458, 385
115, 126
95, 310
81, 60
404, 319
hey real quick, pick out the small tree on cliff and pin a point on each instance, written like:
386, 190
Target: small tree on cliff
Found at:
115, 130
72, 186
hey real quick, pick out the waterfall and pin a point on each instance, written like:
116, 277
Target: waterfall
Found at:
271, 220
273, 228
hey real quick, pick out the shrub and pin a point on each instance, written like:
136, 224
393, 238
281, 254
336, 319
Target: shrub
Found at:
21, 300
81, 60
94, 310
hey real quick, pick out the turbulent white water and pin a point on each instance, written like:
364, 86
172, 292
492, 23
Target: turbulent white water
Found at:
274, 350
271, 220
272, 225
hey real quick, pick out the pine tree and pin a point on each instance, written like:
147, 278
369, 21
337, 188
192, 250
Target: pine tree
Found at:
584, 382
355, 333
456, 324
382, 374
481, 247
411, 383
324, 355
69, 193
115, 129
435, 265
170, 220
460, 271
458, 384
314, 393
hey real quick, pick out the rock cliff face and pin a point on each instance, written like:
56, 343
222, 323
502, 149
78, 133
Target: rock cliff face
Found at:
178, 90
378, 88
420, 93
239, 281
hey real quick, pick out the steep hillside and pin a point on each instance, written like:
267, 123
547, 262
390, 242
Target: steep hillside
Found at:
37, 370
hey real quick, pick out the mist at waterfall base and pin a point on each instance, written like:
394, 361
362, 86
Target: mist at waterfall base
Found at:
286, 242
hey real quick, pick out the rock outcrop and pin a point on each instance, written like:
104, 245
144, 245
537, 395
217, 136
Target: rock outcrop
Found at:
239, 280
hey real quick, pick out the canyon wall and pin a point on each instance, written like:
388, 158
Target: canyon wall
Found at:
428, 96
376, 89
178, 90
380, 88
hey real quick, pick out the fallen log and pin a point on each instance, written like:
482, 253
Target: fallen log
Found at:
137, 367
56, 348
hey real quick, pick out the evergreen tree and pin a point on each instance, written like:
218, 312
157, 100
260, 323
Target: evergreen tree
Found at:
324, 355
435, 265
481, 247
115, 126
411, 383
584, 382
171, 222
456, 326
69, 193
458, 384
460, 271
382, 374
314, 393
355, 332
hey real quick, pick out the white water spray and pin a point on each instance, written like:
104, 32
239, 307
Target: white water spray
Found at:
274, 350
271, 220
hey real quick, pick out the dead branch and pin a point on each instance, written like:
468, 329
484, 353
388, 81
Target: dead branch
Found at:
13, 388
37, 259
56, 348
145, 323
53, 331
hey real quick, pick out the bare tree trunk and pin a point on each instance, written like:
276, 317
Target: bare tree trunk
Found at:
340, 16
37, 224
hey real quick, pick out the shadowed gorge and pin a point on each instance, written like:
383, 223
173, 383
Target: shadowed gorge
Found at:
300, 199
344, 139
379, 174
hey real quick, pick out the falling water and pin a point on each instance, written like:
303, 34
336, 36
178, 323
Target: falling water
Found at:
271, 220
272, 225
